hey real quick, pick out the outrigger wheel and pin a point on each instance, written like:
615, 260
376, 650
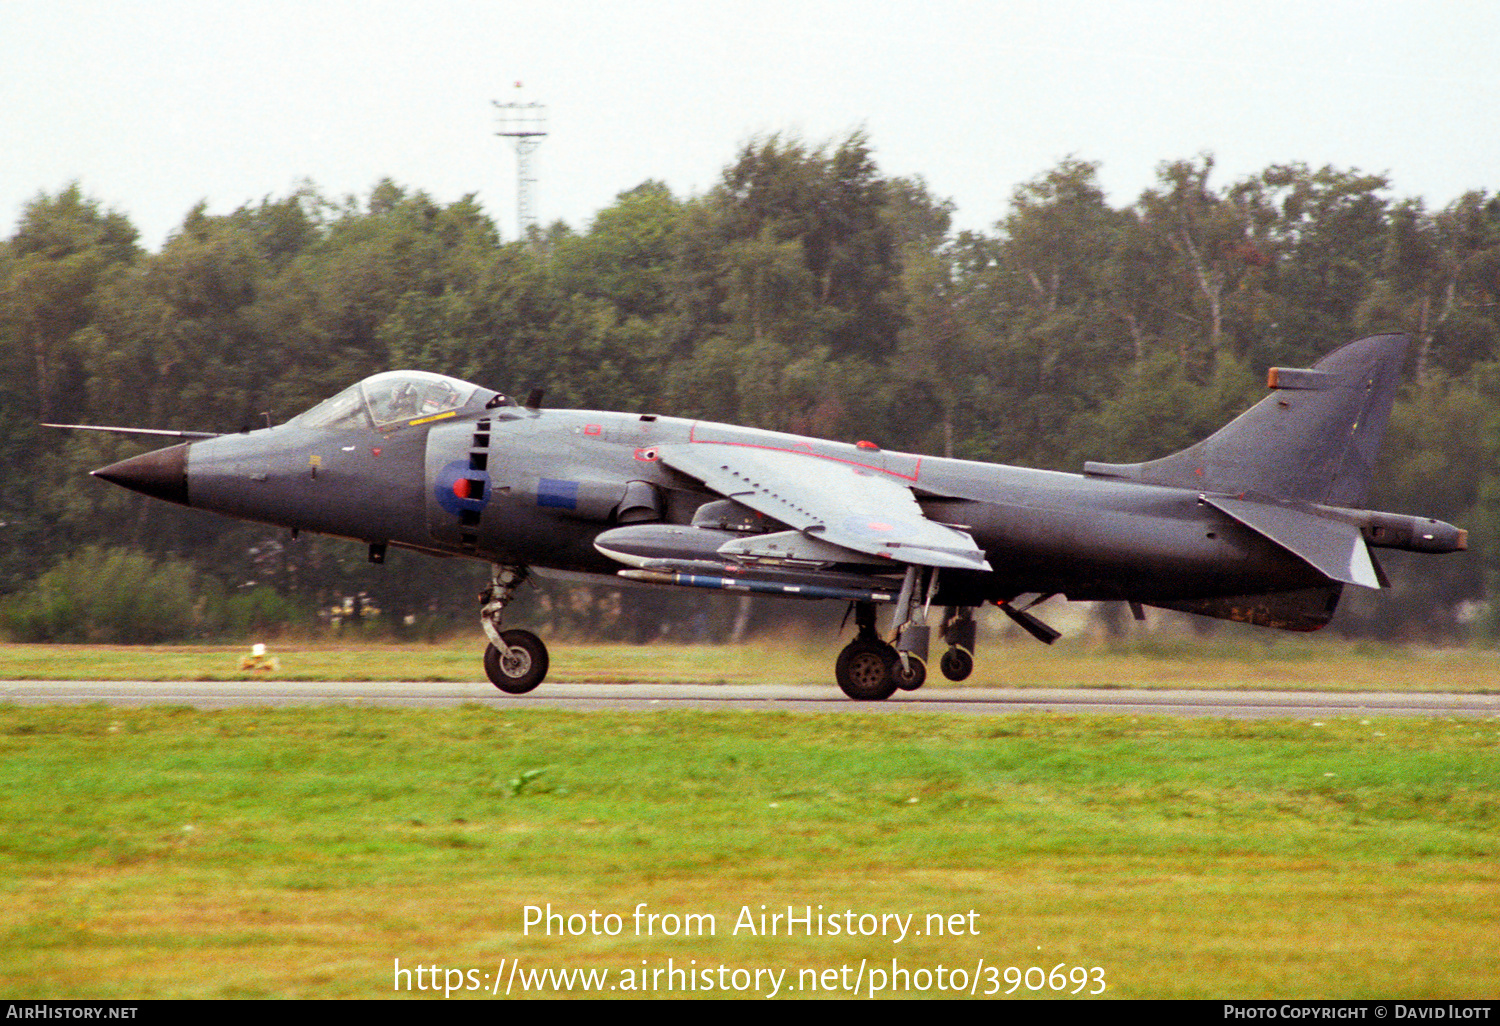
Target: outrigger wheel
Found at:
520, 666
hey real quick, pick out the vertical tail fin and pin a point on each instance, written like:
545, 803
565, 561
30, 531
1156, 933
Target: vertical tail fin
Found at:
1314, 439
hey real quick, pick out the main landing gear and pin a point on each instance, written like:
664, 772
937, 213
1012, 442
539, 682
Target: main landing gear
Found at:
872, 670
865, 669
958, 631
515, 660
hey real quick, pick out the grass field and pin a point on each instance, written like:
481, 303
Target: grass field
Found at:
171, 853
1286, 663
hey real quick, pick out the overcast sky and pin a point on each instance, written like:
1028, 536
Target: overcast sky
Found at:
155, 107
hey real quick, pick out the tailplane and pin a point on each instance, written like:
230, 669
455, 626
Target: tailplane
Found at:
1314, 439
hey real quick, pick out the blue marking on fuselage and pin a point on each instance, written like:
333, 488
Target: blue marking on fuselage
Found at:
556, 494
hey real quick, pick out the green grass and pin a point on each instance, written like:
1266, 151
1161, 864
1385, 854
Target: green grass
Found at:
170, 853
1282, 664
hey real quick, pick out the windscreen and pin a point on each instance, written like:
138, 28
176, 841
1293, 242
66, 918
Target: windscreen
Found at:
385, 400
345, 410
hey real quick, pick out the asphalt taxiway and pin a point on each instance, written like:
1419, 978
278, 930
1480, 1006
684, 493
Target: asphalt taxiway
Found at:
785, 698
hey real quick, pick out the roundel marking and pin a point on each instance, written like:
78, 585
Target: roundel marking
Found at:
455, 482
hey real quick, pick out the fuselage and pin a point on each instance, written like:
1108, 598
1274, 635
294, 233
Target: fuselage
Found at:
534, 487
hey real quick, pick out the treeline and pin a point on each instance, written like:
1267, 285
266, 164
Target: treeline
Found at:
805, 291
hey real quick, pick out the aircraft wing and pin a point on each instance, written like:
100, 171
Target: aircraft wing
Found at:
842, 504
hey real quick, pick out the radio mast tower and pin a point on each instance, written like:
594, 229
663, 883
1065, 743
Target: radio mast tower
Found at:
526, 123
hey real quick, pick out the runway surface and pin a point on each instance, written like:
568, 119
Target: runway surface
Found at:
782, 698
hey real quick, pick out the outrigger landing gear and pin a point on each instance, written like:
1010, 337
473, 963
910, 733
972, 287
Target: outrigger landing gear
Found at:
515, 660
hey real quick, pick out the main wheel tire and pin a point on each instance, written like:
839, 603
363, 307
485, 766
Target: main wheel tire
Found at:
956, 664
864, 671
520, 666
911, 676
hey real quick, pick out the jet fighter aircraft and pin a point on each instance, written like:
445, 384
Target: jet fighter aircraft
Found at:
1260, 523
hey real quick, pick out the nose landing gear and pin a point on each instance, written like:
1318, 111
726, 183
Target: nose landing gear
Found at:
515, 661
519, 665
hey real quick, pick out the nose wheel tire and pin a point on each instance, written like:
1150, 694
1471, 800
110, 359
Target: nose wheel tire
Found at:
520, 665
864, 670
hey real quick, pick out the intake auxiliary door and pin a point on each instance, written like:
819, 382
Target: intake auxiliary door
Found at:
459, 482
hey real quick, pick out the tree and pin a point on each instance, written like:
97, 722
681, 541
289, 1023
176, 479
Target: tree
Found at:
1208, 238
626, 256
1046, 345
793, 241
65, 250
1439, 279
1325, 230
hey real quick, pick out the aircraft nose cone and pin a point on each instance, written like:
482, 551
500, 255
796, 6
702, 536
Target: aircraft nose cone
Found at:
161, 474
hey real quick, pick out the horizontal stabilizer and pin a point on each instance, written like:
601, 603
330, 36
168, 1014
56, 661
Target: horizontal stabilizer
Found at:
1334, 548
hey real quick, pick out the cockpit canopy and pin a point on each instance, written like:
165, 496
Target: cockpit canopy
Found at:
395, 398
